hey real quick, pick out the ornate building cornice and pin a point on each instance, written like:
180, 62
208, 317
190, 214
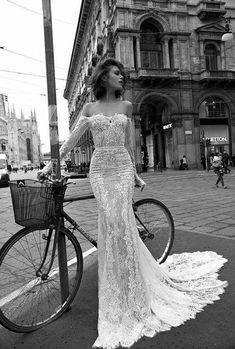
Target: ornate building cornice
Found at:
84, 13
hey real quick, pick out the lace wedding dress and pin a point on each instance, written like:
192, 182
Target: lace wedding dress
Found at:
137, 296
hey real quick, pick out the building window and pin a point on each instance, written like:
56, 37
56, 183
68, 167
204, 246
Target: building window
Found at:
215, 108
150, 46
171, 53
211, 55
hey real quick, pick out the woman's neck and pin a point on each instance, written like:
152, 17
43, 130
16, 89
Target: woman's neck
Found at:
109, 97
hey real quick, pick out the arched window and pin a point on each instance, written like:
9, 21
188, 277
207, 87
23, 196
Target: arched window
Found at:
213, 107
211, 54
150, 46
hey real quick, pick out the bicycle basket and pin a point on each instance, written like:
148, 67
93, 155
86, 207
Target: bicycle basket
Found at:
33, 202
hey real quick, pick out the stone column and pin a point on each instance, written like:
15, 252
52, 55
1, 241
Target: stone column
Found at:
138, 56
186, 139
196, 140
178, 140
176, 54
166, 53
202, 59
223, 64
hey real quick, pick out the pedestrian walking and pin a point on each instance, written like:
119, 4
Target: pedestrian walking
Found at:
203, 162
218, 169
137, 296
225, 160
233, 160
210, 162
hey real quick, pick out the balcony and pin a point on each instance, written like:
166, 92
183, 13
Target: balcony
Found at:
155, 74
211, 9
217, 77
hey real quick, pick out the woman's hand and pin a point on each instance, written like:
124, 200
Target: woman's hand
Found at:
45, 172
139, 182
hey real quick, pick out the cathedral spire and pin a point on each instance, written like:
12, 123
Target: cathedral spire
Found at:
13, 112
22, 115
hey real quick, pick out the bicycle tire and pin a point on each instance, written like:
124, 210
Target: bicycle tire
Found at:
28, 302
159, 222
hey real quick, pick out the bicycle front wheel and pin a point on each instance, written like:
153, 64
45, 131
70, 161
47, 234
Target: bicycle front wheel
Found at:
156, 227
30, 299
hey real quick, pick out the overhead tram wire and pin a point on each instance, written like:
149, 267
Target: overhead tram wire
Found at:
37, 13
25, 56
28, 74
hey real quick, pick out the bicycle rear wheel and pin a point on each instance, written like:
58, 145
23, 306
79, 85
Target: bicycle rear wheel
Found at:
156, 227
28, 301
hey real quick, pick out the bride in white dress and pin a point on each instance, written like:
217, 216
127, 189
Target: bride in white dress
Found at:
137, 296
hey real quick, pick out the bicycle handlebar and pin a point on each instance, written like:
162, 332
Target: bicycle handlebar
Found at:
42, 177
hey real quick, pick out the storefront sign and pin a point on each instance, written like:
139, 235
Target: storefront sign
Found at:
165, 127
218, 139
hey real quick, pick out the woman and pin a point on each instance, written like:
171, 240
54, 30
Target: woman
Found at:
137, 296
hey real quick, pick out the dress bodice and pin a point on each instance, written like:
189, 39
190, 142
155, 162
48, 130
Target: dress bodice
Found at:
108, 131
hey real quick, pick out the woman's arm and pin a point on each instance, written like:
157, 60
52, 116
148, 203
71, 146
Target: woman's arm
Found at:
130, 146
79, 129
81, 126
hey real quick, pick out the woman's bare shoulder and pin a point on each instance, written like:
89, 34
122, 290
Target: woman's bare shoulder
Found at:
128, 108
87, 109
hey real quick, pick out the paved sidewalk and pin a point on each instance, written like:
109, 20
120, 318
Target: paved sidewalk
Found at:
194, 201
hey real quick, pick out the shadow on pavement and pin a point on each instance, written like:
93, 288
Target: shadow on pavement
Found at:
77, 329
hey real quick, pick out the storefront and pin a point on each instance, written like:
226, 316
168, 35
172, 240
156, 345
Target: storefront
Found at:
218, 136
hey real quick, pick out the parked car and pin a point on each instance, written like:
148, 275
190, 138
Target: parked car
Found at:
4, 177
4, 174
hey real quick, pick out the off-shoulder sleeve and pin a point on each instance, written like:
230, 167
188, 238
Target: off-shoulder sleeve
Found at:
81, 126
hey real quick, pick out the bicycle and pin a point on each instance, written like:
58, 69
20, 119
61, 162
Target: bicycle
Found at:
41, 265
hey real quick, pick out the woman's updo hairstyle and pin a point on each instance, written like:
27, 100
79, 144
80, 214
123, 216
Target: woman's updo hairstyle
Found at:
101, 70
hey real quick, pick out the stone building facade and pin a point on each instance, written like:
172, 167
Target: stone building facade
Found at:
181, 75
19, 137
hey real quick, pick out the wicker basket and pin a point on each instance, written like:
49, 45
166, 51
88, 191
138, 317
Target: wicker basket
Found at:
33, 202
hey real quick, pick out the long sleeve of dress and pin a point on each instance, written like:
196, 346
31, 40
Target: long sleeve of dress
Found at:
81, 126
79, 129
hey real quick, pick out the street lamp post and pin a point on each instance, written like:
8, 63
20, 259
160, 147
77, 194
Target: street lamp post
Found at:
54, 137
228, 36
51, 89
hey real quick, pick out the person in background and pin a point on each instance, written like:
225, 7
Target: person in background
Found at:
218, 169
233, 160
203, 162
185, 163
225, 160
